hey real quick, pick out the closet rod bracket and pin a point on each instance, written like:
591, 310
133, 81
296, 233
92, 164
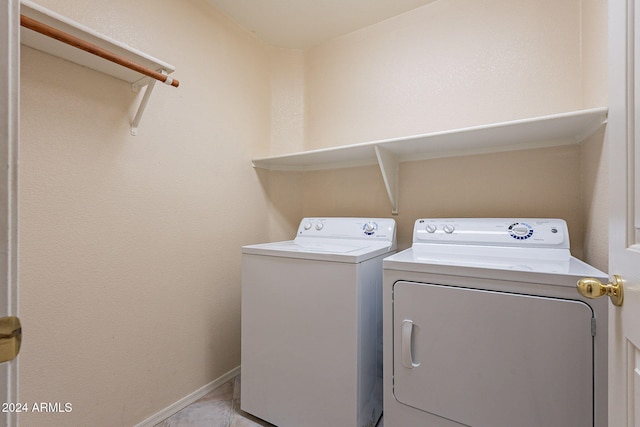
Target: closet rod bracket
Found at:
139, 84
136, 87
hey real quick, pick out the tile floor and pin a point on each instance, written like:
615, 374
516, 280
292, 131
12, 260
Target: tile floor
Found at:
220, 408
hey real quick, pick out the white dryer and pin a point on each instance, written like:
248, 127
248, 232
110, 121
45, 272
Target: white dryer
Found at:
484, 327
312, 324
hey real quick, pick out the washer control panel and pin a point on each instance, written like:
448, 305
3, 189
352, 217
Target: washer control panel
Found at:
520, 232
341, 228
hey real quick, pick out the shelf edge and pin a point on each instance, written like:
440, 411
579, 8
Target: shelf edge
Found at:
304, 160
57, 48
548, 131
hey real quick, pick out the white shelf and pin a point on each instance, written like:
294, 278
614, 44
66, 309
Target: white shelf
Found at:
545, 131
62, 50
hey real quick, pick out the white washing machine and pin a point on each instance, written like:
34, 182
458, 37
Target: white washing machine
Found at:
312, 324
484, 327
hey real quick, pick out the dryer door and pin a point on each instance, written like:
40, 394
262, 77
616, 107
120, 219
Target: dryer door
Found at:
493, 359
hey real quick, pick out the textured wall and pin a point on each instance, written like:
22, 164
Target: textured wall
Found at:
452, 64
594, 160
446, 65
130, 246
537, 183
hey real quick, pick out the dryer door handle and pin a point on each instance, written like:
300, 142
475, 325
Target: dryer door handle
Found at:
407, 345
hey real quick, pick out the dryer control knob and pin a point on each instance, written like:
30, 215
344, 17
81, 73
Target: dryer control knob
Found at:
307, 226
449, 228
431, 228
520, 230
319, 226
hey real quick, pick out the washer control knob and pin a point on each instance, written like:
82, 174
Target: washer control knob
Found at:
449, 228
307, 226
431, 228
319, 226
370, 228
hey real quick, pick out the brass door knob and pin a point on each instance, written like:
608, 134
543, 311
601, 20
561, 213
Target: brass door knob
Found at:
10, 338
593, 288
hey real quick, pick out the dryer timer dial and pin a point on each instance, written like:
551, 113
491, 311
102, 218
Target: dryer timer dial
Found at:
520, 230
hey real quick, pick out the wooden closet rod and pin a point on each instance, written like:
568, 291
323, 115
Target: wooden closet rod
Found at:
74, 41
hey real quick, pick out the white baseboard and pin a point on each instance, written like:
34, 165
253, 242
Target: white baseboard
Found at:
188, 400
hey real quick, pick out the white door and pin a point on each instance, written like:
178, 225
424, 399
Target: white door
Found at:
497, 364
9, 130
623, 135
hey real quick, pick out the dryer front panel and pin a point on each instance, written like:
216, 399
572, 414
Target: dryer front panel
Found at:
492, 359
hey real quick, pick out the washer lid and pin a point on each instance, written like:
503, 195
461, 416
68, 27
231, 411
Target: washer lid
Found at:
334, 239
323, 250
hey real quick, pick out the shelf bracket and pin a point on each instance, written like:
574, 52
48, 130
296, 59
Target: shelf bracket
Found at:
136, 86
388, 163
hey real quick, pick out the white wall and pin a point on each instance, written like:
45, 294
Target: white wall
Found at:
446, 65
452, 64
130, 246
594, 162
